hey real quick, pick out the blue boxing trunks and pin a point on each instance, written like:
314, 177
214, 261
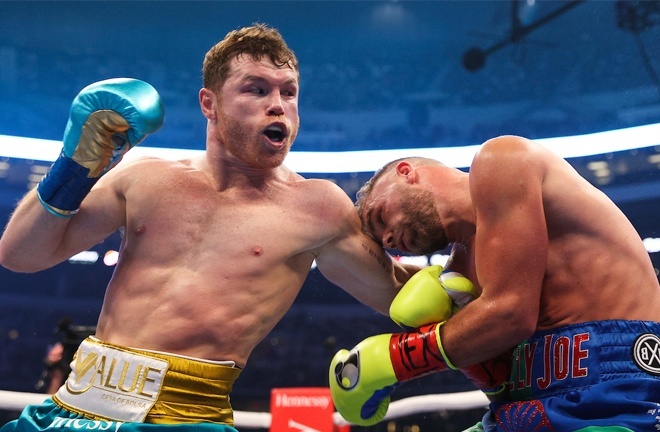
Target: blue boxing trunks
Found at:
593, 376
114, 388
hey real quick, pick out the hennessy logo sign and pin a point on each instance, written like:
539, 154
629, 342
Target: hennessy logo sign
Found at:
114, 373
284, 400
303, 409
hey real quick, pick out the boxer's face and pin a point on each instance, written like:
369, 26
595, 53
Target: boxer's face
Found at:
257, 114
404, 218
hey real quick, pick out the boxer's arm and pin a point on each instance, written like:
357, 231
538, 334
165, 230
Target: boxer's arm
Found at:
34, 239
106, 119
364, 270
434, 294
357, 264
511, 246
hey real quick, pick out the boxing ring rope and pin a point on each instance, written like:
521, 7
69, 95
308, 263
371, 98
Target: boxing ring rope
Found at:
10, 400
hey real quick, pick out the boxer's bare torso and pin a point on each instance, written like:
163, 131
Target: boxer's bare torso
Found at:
550, 252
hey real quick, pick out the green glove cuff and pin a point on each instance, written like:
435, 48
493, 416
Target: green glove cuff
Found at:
441, 348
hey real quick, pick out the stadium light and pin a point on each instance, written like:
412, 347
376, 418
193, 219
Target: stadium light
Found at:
370, 160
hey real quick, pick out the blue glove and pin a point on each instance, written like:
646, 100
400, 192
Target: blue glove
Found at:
106, 120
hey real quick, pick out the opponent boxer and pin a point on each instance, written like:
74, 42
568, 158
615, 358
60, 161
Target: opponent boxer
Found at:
562, 276
215, 249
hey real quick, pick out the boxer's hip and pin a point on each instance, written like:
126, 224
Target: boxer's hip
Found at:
592, 374
583, 355
111, 382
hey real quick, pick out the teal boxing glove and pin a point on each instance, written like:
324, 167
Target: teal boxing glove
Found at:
362, 380
431, 295
106, 120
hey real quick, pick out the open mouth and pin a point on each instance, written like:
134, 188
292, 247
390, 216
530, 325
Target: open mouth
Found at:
275, 132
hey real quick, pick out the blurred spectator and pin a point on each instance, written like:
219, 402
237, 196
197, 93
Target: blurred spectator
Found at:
60, 355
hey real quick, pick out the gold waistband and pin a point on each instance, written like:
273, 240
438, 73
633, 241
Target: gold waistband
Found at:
193, 390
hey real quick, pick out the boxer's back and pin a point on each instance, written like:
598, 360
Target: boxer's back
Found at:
597, 267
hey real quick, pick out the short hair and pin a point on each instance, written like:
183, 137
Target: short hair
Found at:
257, 41
364, 192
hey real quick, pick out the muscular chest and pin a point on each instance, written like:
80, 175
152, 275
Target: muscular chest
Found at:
192, 221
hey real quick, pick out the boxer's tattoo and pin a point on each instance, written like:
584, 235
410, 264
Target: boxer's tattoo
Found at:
377, 256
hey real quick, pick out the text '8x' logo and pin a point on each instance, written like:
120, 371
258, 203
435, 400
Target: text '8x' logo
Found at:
646, 353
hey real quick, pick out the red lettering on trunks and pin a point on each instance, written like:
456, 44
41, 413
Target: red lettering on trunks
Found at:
562, 358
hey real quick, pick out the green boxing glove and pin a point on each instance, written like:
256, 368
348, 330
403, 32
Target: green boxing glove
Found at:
434, 294
431, 295
362, 379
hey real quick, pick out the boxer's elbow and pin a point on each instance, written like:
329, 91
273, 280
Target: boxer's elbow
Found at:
514, 322
14, 265
5, 255
14, 260
521, 323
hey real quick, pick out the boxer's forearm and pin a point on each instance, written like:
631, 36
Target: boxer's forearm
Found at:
32, 237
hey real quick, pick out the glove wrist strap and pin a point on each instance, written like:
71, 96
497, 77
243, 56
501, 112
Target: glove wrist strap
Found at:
64, 187
417, 353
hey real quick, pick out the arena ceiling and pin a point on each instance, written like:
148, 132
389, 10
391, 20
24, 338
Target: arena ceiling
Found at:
549, 51
374, 73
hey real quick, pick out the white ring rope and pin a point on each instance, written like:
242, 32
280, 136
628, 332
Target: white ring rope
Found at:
10, 400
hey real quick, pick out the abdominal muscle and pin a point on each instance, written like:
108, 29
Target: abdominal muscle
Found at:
218, 311
204, 271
